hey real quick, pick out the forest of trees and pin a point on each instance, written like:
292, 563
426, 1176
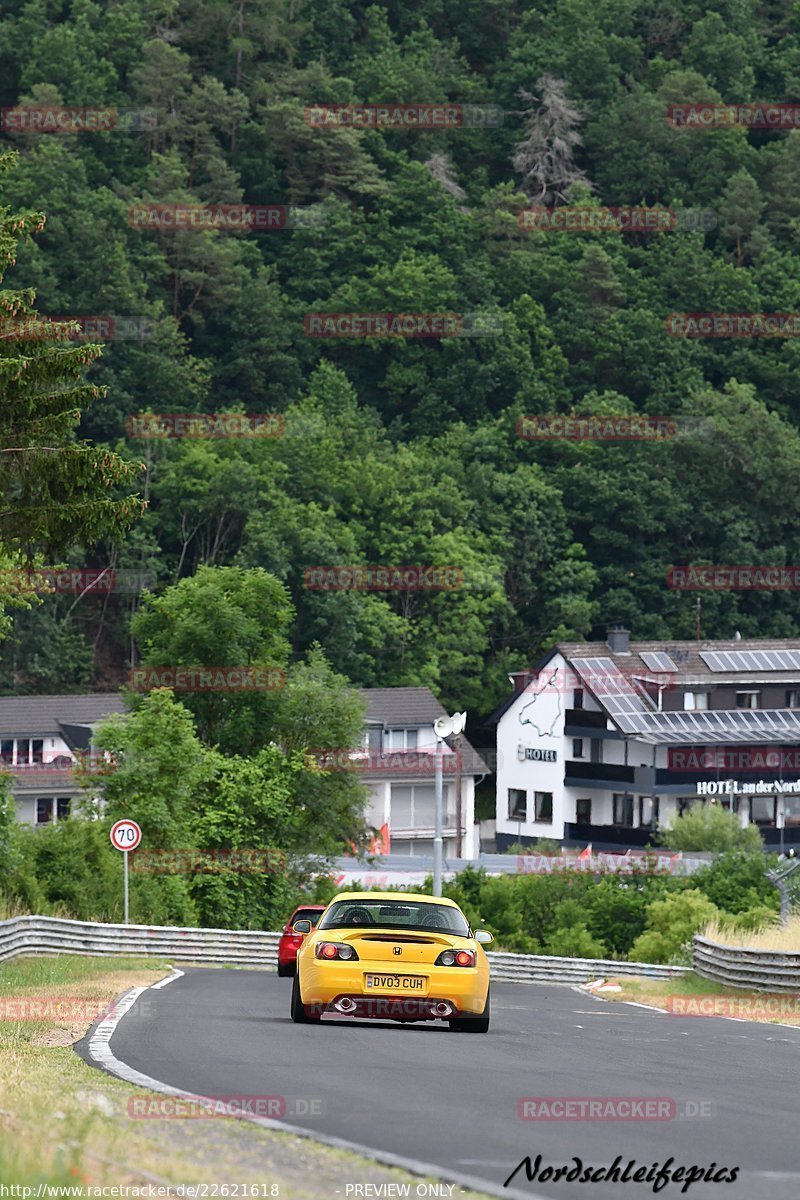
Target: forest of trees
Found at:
397, 450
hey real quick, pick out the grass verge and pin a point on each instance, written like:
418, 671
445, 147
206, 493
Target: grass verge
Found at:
65, 1124
774, 937
691, 995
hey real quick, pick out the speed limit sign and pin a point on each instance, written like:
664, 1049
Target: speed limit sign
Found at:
125, 835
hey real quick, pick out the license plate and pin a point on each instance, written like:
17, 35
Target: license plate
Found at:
396, 983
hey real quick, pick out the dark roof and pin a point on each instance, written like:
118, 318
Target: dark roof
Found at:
43, 715
404, 707
686, 656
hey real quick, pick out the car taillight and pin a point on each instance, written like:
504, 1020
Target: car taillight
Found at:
456, 958
332, 950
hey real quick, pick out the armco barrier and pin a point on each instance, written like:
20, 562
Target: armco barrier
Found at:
251, 948
755, 970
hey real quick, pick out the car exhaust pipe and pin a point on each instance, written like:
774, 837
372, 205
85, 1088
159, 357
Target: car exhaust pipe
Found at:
442, 1008
345, 1005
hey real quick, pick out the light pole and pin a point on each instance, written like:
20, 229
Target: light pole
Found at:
443, 727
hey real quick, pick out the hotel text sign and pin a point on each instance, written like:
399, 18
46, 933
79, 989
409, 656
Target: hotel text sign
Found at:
734, 787
534, 755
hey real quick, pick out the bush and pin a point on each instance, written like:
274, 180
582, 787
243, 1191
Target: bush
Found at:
617, 914
737, 881
71, 869
709, 827
575, 942
671, 924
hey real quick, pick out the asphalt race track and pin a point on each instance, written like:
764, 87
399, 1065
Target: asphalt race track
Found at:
451, 1099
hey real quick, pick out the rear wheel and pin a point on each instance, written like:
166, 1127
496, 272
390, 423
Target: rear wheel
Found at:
285, 969
300, 1013
472, 1024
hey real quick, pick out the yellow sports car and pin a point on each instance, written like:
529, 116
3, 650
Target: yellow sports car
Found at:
403, 956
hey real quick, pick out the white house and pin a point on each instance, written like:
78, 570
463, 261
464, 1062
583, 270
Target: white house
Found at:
399, 767
602, 742
40, 737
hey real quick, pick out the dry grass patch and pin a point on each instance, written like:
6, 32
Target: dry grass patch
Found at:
773, 937
691, 995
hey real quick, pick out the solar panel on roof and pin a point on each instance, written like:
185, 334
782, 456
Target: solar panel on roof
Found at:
719, 726
751, 660
616, 691
657, 661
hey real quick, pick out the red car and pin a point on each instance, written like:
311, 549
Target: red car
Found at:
290, 942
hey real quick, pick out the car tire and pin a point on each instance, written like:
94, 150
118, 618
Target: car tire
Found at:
300, 1011
285, 970
472, 1024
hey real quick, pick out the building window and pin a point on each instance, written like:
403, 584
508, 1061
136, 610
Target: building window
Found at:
648, 812
729, 803
37, 750
23, 751
7, 751
596, 748
44, 811
63, 804
762, 810
623, 809
402, 739
543, 806
412, 806
695, 700
793, 699
577, 747
517, 804
748, 699
791, 810
577, 697
583, 810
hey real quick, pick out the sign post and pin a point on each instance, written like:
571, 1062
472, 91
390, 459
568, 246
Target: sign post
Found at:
125, 836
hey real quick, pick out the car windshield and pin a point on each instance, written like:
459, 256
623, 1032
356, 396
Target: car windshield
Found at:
396, 914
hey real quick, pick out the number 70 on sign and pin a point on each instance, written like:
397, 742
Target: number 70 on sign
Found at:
125, 835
